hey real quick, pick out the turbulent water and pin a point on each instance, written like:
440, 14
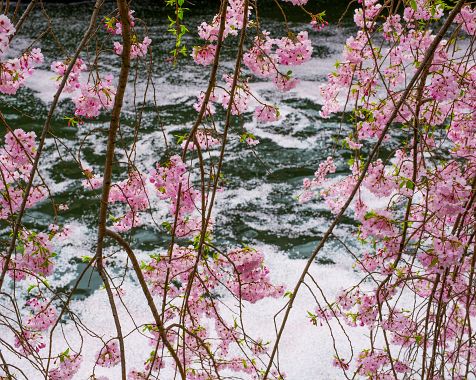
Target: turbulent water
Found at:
258, 205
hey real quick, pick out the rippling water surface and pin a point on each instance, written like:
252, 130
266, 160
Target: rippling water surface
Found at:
258, 205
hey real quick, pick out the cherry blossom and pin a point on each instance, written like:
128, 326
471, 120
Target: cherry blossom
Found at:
109, 355
68, 366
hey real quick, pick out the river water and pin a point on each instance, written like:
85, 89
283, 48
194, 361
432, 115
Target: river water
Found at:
258, 206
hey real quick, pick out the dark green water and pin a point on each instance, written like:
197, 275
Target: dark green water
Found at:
258, 205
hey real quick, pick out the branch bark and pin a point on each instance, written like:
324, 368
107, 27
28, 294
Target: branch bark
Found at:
123, 8
148, 296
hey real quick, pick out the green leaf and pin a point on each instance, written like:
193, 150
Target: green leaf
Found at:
64, 354
181, 138
370, 215
167, 226
114, 219
413, 4
30, 288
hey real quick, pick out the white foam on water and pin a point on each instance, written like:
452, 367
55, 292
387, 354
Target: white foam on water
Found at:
232, 198
283, 141
44, 85
306, 350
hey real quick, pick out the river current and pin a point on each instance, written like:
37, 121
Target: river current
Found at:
258, 206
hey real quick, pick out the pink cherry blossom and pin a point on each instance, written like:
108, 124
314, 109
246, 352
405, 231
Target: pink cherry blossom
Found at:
73, 82
94, 98
204, 55
68, 367
294, 50
266, 114
297, 2
109, 355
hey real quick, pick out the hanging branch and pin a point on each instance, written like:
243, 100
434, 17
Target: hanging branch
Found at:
107, 175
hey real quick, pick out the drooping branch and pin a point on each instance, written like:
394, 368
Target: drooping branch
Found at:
150, 301
108, 165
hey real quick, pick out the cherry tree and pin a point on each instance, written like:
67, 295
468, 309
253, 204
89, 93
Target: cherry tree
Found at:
405, 94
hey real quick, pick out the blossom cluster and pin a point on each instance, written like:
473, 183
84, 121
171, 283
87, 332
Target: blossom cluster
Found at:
16, 162
89, 98
173, 184
267, 58
132, 193
138, 49
6, 31
240, 271
95, 97
42, 315
109, 355
15, 71
72, 83
297, 2
68, 366
204, 139
320, 175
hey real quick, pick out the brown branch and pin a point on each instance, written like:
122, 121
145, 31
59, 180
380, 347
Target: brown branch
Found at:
107, 176
148, 296
5, 366
23, 17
